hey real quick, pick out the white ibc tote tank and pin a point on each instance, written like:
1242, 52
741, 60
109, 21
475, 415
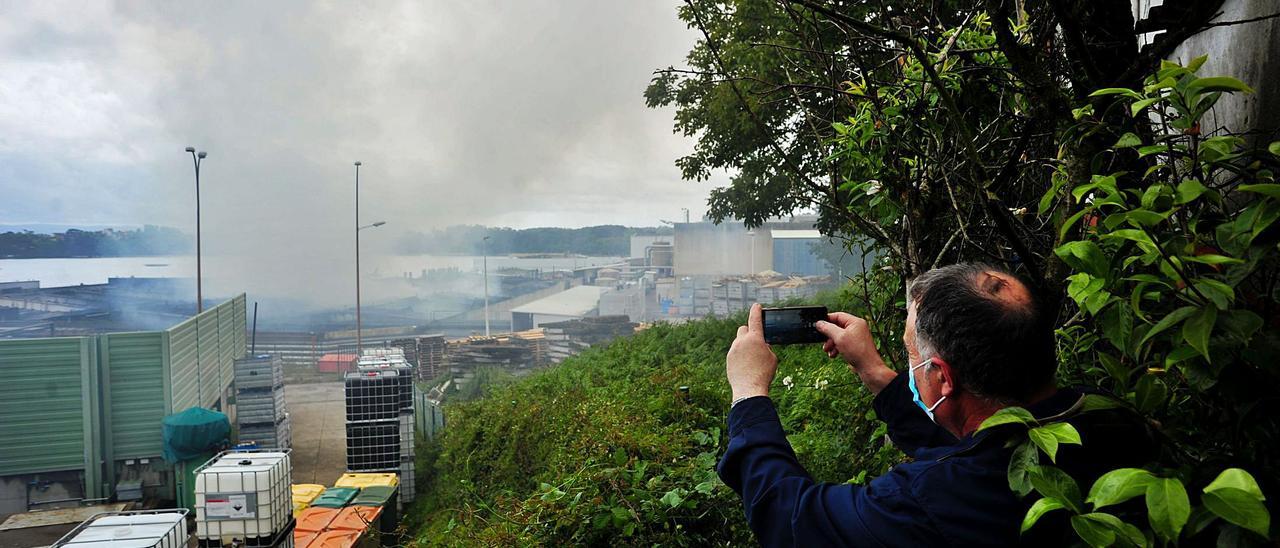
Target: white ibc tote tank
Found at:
144, 529
243, 497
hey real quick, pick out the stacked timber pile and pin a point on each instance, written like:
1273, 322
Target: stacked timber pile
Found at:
425, 352
570, 337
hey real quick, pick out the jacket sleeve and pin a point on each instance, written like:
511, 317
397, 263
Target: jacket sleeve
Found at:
786, 507
909, 428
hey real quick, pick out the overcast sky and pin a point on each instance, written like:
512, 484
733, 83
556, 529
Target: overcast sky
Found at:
513, 113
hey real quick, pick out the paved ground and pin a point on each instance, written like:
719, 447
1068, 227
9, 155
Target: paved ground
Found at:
319, 431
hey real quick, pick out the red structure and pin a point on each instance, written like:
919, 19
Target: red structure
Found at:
336, 363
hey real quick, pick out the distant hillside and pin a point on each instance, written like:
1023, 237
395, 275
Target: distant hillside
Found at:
605, 240
148, 240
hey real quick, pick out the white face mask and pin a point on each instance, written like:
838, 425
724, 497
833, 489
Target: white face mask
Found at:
915, 392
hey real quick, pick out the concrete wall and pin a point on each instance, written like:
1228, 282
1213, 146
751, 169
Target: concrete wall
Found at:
1249, 53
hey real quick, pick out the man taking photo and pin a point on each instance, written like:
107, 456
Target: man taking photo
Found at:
977, 340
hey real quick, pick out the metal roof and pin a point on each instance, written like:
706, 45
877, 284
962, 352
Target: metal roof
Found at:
575, 301
796, 234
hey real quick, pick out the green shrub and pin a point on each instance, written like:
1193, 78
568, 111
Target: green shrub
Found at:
607, 448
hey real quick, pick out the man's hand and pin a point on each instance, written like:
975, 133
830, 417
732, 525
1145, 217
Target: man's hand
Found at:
751, 364
849, 337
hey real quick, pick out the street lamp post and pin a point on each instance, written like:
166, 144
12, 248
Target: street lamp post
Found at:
485, 262
358, 229
196, 157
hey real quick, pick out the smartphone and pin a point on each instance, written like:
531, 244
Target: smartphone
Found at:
793, 324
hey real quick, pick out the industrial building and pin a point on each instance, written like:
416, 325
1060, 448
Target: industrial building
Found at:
572, 304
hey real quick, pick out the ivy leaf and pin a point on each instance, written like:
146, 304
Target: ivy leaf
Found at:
1039, 509
1235, 478
1051, 481
1119, 485
1274, 148
1024, 458
1008, 415
1168, 321
1167, 507
1238, 507
1197, 329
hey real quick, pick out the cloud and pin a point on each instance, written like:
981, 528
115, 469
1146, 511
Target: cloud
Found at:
508, 113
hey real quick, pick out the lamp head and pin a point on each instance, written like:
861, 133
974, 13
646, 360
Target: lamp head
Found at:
191, 149
379, 223
201, 155
357, 164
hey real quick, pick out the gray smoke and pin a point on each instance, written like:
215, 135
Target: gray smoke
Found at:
522, 114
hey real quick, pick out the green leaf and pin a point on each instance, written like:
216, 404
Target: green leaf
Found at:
1167, 507
1051, 481
1269, 189
1096, 402
1137, 106
1197, 329
1046, 441
1084, 256
1168, 321
1235, 478
706, 487
1024, 458
1217, 83
1238, 507
1128, 140
1040, 508
672, 498
1008, 415
1150, 393
1196, 63
1119, 485
1211, 259
1189, 190
1070, 222
1115, 91
1093, 531
1102, 529
1274, 148
1179, 354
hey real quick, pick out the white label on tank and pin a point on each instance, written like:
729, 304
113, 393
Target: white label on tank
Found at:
231, 506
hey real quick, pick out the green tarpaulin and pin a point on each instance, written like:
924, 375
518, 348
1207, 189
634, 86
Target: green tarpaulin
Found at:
335, 497
374, 495
194, 432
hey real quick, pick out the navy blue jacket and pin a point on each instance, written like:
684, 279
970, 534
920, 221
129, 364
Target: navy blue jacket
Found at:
953, 492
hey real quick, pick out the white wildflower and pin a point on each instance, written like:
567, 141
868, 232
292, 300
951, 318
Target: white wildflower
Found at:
873, 186
786, 381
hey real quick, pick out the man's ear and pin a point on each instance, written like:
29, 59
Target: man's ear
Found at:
948, 379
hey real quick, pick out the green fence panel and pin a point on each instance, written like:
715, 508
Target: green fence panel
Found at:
133, 366
210, 368
42, 406
184, 367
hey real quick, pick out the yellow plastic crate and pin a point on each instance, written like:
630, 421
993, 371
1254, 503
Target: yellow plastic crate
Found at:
304, 493
360, 481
